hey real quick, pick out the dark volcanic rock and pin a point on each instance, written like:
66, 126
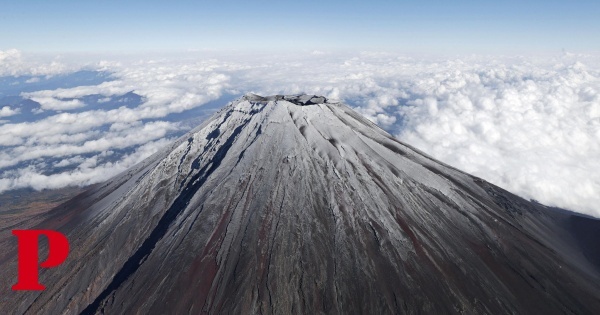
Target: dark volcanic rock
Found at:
275, 208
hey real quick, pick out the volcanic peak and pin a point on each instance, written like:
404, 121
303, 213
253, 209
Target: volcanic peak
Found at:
297, 99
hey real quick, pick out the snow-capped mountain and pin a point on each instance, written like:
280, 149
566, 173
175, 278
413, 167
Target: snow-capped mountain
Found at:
299, 205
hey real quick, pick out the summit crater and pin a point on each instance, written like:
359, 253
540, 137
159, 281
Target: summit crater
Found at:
296, 99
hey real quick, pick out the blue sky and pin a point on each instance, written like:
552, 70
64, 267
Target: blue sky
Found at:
409, 26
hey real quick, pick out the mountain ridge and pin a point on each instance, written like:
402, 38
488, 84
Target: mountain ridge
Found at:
271, 207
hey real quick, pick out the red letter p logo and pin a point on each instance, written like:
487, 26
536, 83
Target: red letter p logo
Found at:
58, 250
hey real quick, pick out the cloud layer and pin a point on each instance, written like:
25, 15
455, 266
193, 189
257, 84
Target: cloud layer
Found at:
6, 111
528, 124
13, 63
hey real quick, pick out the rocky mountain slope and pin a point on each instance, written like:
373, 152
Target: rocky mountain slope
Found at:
299, 205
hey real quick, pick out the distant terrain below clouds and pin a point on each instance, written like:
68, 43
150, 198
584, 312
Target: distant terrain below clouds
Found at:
528, 124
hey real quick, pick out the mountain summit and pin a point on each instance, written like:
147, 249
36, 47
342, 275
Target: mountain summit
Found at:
299, 205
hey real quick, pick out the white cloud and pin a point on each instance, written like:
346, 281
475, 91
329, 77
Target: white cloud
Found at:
51, 103
533, 131
9, 61
87, 173
75, 144
6, 111
70, 161
33, 80
14, 63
